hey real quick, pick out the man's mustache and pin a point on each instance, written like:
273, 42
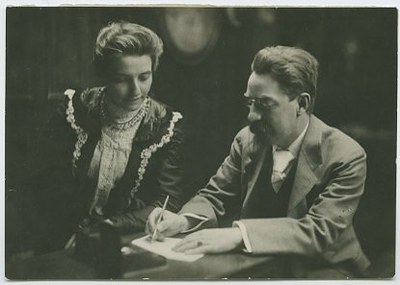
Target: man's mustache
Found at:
257, 128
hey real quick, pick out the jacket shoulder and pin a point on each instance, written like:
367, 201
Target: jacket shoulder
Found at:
246, 141
337, 143
159, 121
84, 99
90, 98
245, 135
83, 107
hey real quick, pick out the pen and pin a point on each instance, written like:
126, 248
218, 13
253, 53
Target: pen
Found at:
159, 218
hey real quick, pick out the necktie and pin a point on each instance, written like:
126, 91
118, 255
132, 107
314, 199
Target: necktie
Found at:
281, 162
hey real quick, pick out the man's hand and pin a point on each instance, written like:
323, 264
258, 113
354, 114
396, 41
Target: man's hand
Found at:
210, 241
170, 225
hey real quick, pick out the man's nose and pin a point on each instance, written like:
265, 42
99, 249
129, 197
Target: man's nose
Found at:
254, 115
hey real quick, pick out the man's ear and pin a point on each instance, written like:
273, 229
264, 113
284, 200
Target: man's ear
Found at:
303, 100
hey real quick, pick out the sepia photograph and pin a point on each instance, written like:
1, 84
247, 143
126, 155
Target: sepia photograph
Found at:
200, 142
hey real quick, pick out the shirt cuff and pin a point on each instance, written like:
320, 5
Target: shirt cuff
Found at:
201, 221
245, 237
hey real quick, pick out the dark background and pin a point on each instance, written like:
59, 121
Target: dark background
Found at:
50, 50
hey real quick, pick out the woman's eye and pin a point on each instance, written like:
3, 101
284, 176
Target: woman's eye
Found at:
119, 79
144, 77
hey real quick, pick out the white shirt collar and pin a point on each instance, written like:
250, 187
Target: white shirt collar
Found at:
294, 147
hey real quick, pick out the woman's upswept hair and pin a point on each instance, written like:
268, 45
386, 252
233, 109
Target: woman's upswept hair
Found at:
293, 68
128, 39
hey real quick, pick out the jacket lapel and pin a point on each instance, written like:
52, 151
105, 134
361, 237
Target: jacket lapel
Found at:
259, 153
150, 131
309, 159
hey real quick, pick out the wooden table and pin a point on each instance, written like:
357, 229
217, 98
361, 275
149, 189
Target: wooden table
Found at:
64, 265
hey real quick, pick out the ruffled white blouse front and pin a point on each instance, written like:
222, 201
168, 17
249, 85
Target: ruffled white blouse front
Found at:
109, 162
110, 159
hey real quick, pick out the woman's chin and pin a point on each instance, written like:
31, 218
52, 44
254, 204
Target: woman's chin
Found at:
133, 104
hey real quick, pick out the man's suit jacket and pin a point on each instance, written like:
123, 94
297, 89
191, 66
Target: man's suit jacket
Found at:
328, 183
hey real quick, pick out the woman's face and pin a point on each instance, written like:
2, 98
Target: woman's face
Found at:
129, 80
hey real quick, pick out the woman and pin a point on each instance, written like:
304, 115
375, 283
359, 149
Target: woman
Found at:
110, 153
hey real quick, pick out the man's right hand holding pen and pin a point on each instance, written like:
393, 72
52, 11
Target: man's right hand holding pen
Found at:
202, 241
169, 225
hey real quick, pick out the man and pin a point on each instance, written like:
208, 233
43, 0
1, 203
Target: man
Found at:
291, 184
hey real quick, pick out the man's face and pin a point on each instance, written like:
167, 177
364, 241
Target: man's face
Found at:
271, 114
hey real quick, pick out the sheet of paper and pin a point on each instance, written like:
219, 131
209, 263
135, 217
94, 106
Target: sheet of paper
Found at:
164, 248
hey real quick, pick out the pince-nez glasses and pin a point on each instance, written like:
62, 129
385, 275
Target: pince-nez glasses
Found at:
258, 102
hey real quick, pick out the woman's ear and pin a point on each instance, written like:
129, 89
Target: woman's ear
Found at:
304, 100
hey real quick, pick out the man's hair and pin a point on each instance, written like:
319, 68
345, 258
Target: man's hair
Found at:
127, 39
294, 69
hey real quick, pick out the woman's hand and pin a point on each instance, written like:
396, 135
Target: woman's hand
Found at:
210, 241
170, 224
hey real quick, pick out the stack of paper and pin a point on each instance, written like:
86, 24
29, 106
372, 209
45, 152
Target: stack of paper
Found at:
164, 248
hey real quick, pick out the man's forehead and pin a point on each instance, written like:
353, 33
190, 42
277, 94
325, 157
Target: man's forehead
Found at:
264, 79
263, 86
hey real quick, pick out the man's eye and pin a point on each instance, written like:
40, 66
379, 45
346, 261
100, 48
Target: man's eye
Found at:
267, 104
